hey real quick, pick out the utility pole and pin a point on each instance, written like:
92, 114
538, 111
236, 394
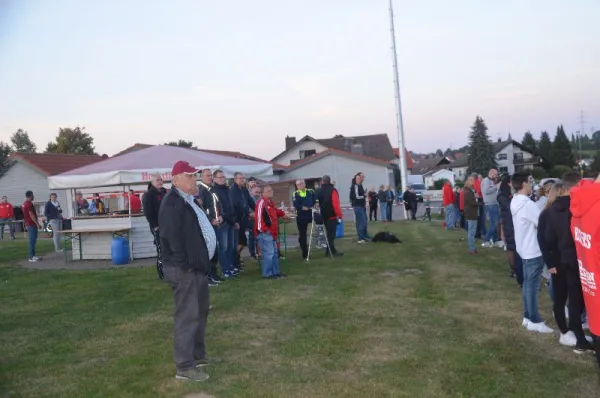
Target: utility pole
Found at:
581, 133
399, 122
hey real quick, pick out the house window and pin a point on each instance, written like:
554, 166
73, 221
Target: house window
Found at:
503, 169
460, 173
518, 156
502, 156
307, 152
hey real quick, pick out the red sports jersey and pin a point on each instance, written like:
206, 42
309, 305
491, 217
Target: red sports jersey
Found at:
585, 227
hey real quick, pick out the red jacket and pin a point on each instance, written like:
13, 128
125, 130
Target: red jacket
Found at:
6, 210
266, 216
447, 195
462, 200
477, 187
585, 208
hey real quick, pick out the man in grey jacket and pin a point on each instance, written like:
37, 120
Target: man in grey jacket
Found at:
489, 191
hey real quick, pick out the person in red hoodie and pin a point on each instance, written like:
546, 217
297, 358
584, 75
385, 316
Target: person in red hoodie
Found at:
6, 217
266, 230
585, 211
331, 212
448, 201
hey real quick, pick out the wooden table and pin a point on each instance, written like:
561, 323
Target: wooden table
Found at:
75, 234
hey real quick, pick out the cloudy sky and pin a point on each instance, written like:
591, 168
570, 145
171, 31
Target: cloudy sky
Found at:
241, 75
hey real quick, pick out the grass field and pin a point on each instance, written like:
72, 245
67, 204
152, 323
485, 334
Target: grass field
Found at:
420, 319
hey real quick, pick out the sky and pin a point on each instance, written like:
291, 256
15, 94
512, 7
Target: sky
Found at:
241, 75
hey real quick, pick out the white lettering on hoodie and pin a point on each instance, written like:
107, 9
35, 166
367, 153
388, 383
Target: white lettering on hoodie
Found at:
525, 215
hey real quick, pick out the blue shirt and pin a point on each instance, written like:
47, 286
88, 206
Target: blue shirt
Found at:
207, 229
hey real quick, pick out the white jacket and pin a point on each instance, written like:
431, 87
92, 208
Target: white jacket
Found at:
525, 214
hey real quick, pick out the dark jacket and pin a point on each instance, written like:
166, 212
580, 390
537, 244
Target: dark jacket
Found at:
381, 195
151, 201
239, 205
52, 212
471, 205
328, 198
222, 195
504, 199
372, 199
181, 239
548, 252
558, 233
207, 201
357, 195
304, 199
410, 200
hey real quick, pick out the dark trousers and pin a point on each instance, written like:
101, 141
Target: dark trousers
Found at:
413, 210
481, 228
302, 228
373, 212
330, 228
567, 285
190, 291
159, 264
389, 210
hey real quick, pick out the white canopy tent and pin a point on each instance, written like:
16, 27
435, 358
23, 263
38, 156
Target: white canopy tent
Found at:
139, 166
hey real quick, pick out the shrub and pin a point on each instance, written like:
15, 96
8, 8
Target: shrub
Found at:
558, 171
439, 184
538, 173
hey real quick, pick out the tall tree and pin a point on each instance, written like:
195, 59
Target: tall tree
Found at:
22, 143
482, 156
439, 153
544, 147
181, 143
72, 141
595, 166
561, 153
5, 151
529, 141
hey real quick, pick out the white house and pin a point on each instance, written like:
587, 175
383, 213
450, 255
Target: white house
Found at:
441, 174
511, 156
340, 157
30, 172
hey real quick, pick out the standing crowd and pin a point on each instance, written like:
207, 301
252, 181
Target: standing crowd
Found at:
554, 234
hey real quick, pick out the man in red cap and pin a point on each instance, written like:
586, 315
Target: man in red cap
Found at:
585, 210
188, 244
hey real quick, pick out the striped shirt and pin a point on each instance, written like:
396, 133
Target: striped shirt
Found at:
207, 229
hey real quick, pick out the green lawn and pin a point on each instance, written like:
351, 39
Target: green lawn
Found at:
420, 319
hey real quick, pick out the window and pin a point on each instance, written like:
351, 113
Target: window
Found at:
307, 152
460, 173
518, 156
502, 156
503, 169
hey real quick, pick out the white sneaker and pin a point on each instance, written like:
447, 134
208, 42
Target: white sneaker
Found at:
37, 258
487, 244
525, 322
500, 244
585, 326
361, 241
568, 339
539, 327
589, 338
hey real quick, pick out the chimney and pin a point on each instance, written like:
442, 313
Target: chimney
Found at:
357, 148
289, 142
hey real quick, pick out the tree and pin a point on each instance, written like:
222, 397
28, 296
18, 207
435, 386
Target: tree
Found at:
561, 152
529, 142
439, 184
559, 170
182, 143
72, 141
538, 173
595, 166
482, 156
544, 147
22, 143
5, 151
439, 153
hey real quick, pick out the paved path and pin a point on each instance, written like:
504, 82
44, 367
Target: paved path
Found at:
398, 211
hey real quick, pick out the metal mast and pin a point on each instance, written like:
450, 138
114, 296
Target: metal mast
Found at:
399, 123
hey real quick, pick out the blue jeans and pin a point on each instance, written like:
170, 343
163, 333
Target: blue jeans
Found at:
390, 207
269, 255
32, 233
383, 207
451, 216
532, 272
234, 245
225, 243
481, 220
493, 212
360, 214
471, 230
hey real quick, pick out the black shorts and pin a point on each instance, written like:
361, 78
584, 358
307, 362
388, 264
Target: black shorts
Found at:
242, 239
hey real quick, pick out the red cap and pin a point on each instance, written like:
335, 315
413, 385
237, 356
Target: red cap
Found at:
183, 167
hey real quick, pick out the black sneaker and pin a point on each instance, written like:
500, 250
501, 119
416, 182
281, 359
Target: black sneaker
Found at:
582, 348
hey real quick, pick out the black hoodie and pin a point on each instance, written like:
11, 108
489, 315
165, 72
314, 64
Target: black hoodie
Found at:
558, 234
151, 204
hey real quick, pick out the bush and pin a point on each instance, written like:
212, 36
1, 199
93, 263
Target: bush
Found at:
439, 184
538, 173
459, 184
558, 171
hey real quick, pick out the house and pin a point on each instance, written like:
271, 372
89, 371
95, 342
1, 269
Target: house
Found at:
410, 163
30, 172
341, 157
441, 174
511, 156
